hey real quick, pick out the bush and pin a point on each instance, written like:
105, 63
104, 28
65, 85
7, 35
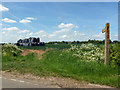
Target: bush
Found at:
10, 50
88, 52
115, 53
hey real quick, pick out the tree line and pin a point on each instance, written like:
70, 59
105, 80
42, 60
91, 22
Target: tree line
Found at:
76, 42
81, 42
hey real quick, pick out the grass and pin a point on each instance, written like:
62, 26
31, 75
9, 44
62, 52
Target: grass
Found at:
61, 63
47, 46
55, 46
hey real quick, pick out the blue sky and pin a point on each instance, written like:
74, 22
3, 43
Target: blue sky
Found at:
58, 21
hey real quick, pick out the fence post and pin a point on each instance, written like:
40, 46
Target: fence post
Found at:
107, 42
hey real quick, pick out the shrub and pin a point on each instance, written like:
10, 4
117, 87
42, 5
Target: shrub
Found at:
115, 53
88, 52
10, 49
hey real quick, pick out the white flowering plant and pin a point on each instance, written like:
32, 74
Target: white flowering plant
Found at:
88, 52
10, 49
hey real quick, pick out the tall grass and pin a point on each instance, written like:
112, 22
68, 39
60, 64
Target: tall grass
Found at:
64, 64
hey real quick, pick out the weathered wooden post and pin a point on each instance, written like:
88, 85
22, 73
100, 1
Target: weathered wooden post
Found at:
107, 40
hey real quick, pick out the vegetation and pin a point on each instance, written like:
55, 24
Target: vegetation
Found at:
47, 46
88, 52
84, 62
64, 64
115, 53
83, 42
66, 44
10, 50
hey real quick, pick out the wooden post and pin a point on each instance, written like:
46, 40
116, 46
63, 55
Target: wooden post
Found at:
107, 40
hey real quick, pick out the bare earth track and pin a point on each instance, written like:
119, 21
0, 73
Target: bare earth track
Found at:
27, 51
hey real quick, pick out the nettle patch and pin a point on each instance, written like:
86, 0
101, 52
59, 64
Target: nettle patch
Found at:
88, 52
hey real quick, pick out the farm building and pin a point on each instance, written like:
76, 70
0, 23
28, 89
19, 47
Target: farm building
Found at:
32, 41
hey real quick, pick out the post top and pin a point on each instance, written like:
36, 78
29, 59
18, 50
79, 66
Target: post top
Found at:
107, 24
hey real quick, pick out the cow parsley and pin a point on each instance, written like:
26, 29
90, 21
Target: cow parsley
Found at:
88, 52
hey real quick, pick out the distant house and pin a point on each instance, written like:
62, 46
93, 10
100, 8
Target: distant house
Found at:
32, 41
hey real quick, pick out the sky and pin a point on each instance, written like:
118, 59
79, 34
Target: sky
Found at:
58, 21
60, 0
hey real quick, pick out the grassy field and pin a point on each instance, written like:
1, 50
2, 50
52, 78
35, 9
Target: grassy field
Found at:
47, 46
63, 63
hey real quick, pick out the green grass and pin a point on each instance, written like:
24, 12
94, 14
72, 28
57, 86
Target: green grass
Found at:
62, 63
47, 46
55, 46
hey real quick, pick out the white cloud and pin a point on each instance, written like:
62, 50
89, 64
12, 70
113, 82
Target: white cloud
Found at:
70, 26
27, 20
30, 34
61, 31
41, 32
64, 29
11, 29
2, 8
67, 33
76, 33
24, 31
12, 34
10, 37
64, 37
64, 34
52, 35
114, 36
30, 18
99, 36
24, 21
8, 20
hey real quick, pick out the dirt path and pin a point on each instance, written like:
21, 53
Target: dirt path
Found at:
27, 51
56, 82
